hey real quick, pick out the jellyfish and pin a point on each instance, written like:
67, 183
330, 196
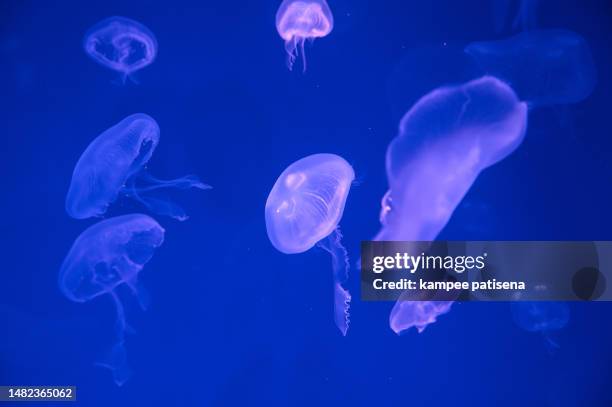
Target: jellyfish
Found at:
121, 44
525, 12
544, 67
543, 317
301, 20
445, 140
408, 313
304, 209
114, 163
104, 257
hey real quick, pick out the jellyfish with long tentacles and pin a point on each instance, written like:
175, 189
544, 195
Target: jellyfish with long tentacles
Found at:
104, 257
445, 141
121, 44
304, 209
544, 67
543, 317
301, 20
114, 164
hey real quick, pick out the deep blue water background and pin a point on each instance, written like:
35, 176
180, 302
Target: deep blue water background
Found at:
232, 321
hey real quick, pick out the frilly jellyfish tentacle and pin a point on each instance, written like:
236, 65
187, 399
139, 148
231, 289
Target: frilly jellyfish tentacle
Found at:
341, 266
291, 48
159, 206
141, 293
116, 360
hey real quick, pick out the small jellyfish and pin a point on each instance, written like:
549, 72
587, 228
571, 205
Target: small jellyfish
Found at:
121, 44
112, 165
301, 20
105, 256
304, 209
543, 317
408, 313
445, 140
544, 67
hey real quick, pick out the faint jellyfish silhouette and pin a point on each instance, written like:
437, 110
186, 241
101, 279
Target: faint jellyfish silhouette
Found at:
408, 313
112, 165
524, 12
445, 140
544, 317
301, 20
105, 256
304, 209
121, 44
544, 67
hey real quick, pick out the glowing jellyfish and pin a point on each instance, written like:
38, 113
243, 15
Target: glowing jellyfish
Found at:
301, 20
304, 209
112, 165
445, 140
544, 67
407, 314
542, 317
107, 255
121, 44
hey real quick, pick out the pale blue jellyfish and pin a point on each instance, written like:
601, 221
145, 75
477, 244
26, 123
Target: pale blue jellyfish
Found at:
105, 256
543, 317
304, 209
445, 141
114, 163
301, 20
544, 67
121, 44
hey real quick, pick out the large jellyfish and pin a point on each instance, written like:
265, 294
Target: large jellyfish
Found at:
112, 165
544, 67
121, 44
304, 209
543, 317
445, 140
107, 255
301, 20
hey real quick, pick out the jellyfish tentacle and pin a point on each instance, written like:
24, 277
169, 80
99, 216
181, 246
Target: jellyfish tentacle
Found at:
141, 293
116, 359
341, 266
161, 207
184, 182
291, 49
303, 52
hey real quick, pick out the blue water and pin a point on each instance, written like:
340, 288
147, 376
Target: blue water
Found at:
232, 321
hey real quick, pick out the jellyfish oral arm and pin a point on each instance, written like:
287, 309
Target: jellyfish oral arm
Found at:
341, 266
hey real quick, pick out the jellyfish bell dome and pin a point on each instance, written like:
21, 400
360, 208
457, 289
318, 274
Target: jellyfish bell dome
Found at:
107, 163
121, 44
481, 122
307, 202
108, 254
304, 19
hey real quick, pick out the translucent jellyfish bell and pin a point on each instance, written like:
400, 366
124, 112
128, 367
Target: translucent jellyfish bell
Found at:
112, 165
445, 140
105, 256
299, 20
121, 44
304, 209
543, 317
544, 67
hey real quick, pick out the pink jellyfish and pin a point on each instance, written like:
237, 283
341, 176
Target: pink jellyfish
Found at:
297, 21
445, 141
304, 209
